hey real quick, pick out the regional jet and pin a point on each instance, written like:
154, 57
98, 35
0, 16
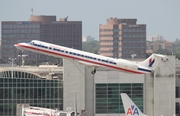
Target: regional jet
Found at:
93, 60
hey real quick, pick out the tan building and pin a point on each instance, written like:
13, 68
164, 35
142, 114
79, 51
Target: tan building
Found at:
154, 46
44, 28
167, 45
120, 38
156, 38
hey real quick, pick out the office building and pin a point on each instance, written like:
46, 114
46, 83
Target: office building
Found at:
159, 45
156, 38
87, 39
44, 28
120, 38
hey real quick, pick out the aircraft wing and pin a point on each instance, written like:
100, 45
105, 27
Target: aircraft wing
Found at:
89, 64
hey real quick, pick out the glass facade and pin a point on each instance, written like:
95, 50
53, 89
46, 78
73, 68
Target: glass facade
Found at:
16, 32
26, 88
108, 98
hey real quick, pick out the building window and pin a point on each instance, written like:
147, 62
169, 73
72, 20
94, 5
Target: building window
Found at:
108, 99
30, 89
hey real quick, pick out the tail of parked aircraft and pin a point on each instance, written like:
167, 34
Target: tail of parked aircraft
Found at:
130, 108
152, 61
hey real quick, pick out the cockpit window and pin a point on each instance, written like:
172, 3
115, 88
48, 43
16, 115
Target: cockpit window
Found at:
32, 43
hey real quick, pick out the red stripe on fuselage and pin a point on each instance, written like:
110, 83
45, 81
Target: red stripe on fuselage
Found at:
72, 57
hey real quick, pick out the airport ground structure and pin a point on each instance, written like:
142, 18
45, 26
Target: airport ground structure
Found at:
96, 95
99, 94
159, 89
35, 86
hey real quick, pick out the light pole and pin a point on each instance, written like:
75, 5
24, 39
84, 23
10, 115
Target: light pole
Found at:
133, 55
23, 61
12, 61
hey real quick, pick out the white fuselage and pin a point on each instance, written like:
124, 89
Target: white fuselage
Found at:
90, 58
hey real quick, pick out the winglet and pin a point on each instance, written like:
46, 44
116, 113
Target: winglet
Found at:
130, 108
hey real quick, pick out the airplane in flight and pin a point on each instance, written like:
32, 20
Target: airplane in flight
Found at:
130, 107
93, 60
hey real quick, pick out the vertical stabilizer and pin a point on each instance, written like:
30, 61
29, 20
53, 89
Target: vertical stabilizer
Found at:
152, 61
130, 108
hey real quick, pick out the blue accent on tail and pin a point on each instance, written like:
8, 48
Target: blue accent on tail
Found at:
151, 63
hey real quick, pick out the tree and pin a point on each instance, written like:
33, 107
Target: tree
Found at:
92, 46
162, 51
1, 61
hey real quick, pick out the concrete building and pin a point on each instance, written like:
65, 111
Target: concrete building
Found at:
120, 38
168, 46
36, 86
97, 95
0, 48
44, 28
155, 38
177, 87
87, 39
160, 45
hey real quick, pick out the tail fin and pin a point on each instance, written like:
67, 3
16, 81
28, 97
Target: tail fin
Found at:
130, 108
153, 60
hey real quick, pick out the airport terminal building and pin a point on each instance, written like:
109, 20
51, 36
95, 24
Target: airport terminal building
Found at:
97, 95
36, 86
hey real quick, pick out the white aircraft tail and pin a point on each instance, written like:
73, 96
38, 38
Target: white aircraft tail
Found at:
153, 60
130, 108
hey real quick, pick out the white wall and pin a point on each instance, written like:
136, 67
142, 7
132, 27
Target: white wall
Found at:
73, 82
160, 89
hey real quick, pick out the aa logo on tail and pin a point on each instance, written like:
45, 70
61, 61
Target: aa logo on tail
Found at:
151, 62
132, 111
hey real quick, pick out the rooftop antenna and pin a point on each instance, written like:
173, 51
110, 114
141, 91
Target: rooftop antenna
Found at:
32, 11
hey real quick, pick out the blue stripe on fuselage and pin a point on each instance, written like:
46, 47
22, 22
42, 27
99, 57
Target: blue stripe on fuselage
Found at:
142, 69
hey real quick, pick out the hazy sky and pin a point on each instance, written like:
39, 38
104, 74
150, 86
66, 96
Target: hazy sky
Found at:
160, 16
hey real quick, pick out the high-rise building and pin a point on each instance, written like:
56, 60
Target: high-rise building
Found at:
44, 28
156, 38
87, 39
122, 38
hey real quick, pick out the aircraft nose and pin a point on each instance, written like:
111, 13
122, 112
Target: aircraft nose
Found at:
18, 46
